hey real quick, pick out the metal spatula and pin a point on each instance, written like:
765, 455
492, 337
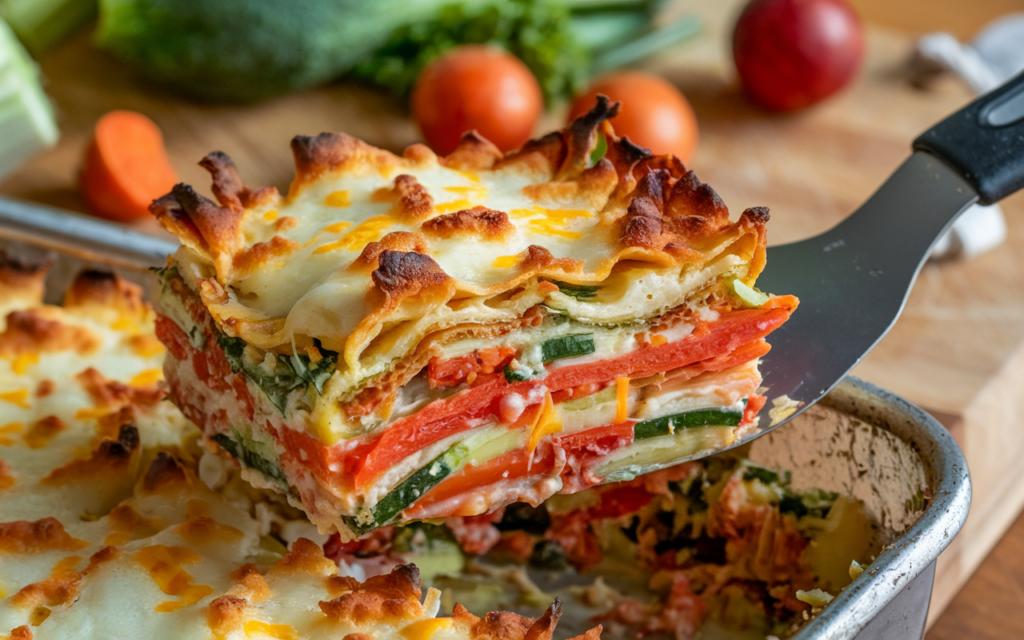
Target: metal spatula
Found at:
852, 281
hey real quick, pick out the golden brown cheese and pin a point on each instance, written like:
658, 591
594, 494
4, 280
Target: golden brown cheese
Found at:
45, 534
30, 332
546, 204
482, 222
110, 458
106, 530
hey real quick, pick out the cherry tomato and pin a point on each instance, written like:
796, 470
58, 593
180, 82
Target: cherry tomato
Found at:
476, 87
793, 53
654, 114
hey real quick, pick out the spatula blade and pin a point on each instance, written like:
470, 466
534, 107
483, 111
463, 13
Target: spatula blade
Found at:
853, 280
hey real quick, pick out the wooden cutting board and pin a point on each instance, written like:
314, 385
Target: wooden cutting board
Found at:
958, 350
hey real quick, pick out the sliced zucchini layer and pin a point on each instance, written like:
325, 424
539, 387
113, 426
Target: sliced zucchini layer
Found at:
652, 454
248, 454
475, 449
668, 425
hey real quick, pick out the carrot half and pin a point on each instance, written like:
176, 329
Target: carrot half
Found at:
125, 168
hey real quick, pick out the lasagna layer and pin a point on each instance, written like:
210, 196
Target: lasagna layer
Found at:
414, 337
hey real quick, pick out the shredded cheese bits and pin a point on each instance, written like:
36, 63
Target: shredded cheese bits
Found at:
270, 216
23, 361
17, 397
94, 412
369, 231
478, 191
145, 345
147, 378
65, 567
9, 429
454, 205
279, 631
782, 407
338, 227
621, 399
504, 262
657, 340
551, 222
164, 565
338, 199
423, 629
42, 431
127, 524
125, 324
547, 423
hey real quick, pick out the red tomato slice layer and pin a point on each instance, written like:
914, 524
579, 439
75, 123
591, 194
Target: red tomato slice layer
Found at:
715, 342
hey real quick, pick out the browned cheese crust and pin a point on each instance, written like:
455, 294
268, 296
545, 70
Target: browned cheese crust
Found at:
478, 221
657, 211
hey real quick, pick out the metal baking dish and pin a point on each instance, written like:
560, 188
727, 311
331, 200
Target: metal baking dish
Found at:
861, 441
866, 442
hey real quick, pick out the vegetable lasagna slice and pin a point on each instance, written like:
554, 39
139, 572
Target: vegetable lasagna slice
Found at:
413, 337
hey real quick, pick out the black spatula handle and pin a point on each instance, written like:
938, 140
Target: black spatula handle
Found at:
984, 141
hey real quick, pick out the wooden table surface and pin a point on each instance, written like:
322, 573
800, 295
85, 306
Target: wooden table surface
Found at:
959, 348
990, 606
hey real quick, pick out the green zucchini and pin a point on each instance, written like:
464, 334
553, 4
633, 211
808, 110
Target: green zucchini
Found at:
688, 420
587, 402
425, 479
815, 503
570, 346
517, 375
478, 448
750, 296
249, 458
578, 291
649, 455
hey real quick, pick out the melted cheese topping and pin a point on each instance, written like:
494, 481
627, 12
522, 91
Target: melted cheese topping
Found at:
316, 291
292, 285
146, 549
165, 566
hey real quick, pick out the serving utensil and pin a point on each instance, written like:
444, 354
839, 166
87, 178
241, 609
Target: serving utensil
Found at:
852, 281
